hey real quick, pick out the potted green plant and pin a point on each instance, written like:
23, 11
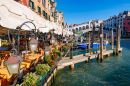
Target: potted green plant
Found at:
30, 80
46, 58
56, 52
41, 69
51, 62
64, 48
55, 57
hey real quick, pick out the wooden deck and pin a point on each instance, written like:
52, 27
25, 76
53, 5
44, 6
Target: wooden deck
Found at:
80, 58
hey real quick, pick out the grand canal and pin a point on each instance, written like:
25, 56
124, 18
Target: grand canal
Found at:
112, 71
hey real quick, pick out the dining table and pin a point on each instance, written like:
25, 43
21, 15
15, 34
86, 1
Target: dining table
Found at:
4, 74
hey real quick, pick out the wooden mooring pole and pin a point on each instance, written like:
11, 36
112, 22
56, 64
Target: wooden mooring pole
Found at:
106, 42
101, 42
118, 39
108, 37
89, 44
112, 43
86, 44
72, 51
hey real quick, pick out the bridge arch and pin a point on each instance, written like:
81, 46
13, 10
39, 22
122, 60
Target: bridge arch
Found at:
80, 28
83, 27
87, 27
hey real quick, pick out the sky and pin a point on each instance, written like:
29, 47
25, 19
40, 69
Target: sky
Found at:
79, 11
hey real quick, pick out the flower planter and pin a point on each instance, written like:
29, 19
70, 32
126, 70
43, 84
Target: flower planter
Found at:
43, 77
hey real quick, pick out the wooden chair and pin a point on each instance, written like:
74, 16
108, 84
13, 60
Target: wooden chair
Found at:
13, 80
20, 75
41, 60
33, 65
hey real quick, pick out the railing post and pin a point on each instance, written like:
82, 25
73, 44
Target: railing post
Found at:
112, 39
101, 41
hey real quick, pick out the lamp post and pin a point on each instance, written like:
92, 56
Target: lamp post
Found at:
47, 51
14, 61
52, 41
33, 44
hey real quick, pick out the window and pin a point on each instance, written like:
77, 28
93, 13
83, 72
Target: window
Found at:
76, 29
39, 0
33, 7
124, 23
73, 30
44, 13
128, 23
29, 3
87, 26
83, 27
44, 2
49, 17
39, 10
46, 16
63, 24
97, 26
80, 28
48, 7
51, 2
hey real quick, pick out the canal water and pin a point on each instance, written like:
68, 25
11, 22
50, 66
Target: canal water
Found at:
112, 71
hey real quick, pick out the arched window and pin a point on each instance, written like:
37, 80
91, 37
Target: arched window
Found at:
87, 26
97, 26
83, 27
76, 29
73, 30
80, 28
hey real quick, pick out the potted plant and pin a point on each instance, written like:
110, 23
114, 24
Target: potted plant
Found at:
55, 57
41, 69
46, 58
56, 52
51, 62
64, 48
30, 80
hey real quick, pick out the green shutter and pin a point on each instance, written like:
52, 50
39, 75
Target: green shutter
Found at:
29, 3
49, 17
33, 7
44, 14
39, 10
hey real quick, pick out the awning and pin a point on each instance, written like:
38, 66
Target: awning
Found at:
13, 14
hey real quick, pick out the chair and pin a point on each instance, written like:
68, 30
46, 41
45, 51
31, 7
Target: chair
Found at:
20, 75
13, 80
33, 65
41, 59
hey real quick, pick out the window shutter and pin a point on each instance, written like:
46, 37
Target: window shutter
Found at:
29, 3
33, 6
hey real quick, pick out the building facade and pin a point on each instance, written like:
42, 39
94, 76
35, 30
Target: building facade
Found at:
46, 9
114, 21
126, 25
